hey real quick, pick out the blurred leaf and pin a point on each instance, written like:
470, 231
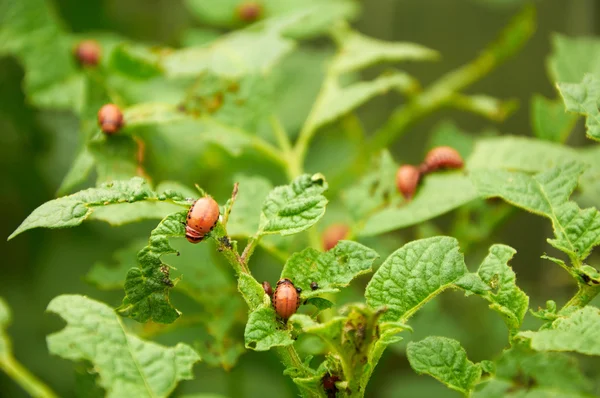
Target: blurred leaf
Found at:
244, 217
438, 194
337, 101
5, 319
549, 120
293, 208
135, 61
80, 170
113, 277
547, 194
151, 113
318, 16
116, 158
358, 51
572, 58
446, 360
95, 333
375, 189
331, 270
505, 296
578, 332
72, 210
147, 286
264, 332
193, 37
583, 98
489, 107
413, 275
30, 30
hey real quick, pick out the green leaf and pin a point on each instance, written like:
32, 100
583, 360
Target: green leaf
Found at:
112, 276
445, 360
337, 101
252, 291
135, 61
437, 194
264, 332
249, 51
331, 270
5, 319
549, 120
577, 231
72, 210
584, 98
358, 51
573, 57
244, 218
505, 296
147, 286
578, 332
413, 275
95, 333
375, 189
293, 208
472, 284
30, 31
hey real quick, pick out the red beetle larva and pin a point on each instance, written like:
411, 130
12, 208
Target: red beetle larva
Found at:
201, 219
442, 157
267, 288
407, 179
249, 11
88, 52
110, 118
286, 299
333, 234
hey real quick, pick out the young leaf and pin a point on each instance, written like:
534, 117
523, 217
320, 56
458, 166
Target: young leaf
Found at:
413, 275
292, 208
244, 218
331, 270
436, 195
147, 286
578, 332
358, 51
577, 231
549, 120
573, 57
505, 296
338, 101
263, 331
72, 210
583, 98
445, 360
95, 333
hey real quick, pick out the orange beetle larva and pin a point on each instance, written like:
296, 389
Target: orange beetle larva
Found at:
333, 234
407, 179
267, 288
442, 157
110, 118
201, 219
286, 299
88, 52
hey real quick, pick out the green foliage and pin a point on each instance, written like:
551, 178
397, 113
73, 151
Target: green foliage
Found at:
5, 316
549, 120
445, 360
95, 333
583, 98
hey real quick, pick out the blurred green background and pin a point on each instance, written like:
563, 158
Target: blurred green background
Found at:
37, 147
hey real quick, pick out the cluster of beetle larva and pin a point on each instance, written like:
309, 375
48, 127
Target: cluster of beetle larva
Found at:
409, 176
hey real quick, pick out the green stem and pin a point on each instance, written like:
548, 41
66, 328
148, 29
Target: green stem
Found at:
584, 295
30, 383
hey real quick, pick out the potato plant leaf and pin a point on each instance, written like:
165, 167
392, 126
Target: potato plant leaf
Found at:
72, 210
584, 98
413, 275
147, 286
80, 169
95, 333
263, 331
547, 194
573, 57
549, 120
577, 332
358, 51
446, 360
505, 296
292, 208
330, 270
244, 218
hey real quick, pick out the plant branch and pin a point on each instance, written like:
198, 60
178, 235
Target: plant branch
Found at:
29, 382
584, 295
